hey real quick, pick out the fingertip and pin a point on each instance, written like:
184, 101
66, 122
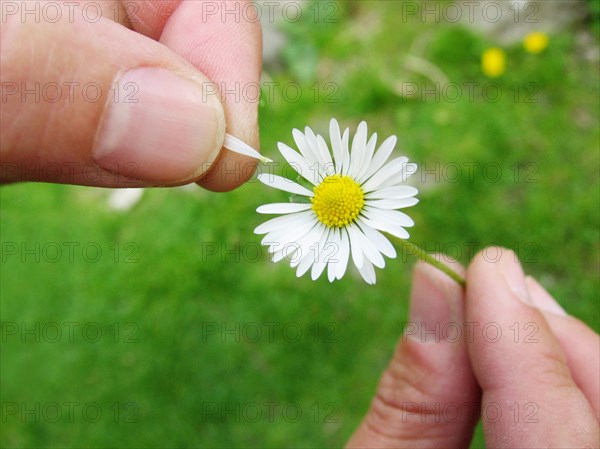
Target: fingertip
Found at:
227, 48
542, 299
228, 172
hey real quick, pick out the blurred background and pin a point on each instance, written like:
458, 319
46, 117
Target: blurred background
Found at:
154, 319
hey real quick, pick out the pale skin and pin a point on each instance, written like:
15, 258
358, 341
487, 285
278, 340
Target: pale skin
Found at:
545, 386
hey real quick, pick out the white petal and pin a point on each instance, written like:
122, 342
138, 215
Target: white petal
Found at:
282, 208
396, 231
359, 148
366, 162
279, 255
401, 177
311, 140
281, 183
305, 244
288, 236
390, 170
335, 240
299, 163
370, 251
329, 167
305, 263
299, 245
285, 221
124, 199
392, 204
392, 193
344, 255
304, 147
321, 258
382, 244
381, 156
238, 146
368, 272
391, 216
336, 144
355, 246
345, 151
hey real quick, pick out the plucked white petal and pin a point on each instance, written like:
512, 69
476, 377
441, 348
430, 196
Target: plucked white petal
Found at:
239, 146
282, 208
281, 183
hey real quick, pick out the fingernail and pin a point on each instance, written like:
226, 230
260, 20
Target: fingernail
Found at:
431, 306
512, 272
159, 127
542, 299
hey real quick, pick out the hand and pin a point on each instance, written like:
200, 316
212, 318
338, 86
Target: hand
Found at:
135, 103
505, 352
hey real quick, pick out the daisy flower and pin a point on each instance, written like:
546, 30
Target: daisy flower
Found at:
348, 195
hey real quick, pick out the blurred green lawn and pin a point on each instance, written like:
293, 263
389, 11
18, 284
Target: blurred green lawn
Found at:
160, 373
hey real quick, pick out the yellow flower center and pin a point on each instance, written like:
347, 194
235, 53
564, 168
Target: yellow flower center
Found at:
338, 200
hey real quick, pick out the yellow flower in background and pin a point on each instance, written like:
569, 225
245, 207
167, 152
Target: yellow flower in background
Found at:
493, 62
536, 42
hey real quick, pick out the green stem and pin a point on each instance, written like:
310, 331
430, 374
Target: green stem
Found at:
415, 250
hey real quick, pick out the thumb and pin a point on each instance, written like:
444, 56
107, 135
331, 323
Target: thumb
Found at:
120, 110
427, 397
530, 398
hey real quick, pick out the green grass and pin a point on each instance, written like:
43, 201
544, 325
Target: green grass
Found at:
158, 291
